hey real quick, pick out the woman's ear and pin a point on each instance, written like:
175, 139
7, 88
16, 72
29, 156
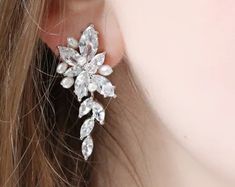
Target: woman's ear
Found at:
68, 18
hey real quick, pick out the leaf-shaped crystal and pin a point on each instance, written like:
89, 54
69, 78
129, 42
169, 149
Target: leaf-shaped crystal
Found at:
86, 128
88, 43
98, 112
73, 71
68, 55
95, 63
104, 86
87, 147
99, 59
81, 84
85, 107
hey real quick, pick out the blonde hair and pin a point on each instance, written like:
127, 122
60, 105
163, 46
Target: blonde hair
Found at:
39, 128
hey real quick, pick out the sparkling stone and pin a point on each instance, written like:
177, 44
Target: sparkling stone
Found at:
81, 61
83, 77
73, 71
71, 62
81, 84
76, 58
98, 59
92, 86
88, 43
69, 55
95, 63
98, 112
104, 86
61, 68
108, 90
72, 42
85, 107
81, 91
91, 68
105, 70
87, 147
86, 128
67, 82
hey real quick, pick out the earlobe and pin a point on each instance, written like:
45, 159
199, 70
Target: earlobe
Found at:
74, 17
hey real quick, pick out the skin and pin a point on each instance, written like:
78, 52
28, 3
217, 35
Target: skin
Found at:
185, 50
182, 53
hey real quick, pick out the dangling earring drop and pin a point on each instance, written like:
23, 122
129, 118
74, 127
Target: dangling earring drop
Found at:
82, 67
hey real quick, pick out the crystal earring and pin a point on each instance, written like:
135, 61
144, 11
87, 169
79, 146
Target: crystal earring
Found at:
83, 68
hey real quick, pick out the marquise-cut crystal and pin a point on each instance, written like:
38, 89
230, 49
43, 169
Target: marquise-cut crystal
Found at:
95, 63
104, 86
98, 112
85, 107
73, 71
81, 91
98, 59
88, 43
67, 82
69, 55
86, 128
72, 42
108, 90
87, 147
81, 83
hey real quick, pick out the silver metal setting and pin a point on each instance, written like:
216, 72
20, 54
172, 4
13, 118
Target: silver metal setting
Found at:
84, 69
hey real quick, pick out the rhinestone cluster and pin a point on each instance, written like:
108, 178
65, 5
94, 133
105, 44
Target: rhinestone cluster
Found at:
84, 69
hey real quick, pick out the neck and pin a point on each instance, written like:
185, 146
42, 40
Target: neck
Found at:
150, 157
171, 165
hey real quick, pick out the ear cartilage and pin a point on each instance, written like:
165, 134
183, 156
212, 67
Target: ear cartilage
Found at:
84, 70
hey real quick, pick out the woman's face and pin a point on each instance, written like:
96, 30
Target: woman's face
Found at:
183, 52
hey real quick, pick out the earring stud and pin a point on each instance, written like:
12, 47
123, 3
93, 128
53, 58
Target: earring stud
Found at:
84, 69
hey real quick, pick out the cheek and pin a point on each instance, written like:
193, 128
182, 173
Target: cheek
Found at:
184, 56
